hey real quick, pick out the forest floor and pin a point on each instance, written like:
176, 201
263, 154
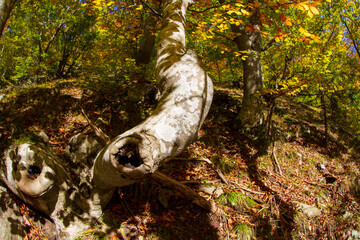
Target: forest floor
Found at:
289, 187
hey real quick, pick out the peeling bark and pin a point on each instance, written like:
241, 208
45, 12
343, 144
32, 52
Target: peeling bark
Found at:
74, 190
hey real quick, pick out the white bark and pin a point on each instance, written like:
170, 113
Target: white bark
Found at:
73, 193
186, 92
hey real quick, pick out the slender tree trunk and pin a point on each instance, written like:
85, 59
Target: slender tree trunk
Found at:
252, 110
323, 105
251, 113
269, 119
5, 8
147, 42
218, 71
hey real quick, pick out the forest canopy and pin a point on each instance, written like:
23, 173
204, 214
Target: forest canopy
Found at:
309, 50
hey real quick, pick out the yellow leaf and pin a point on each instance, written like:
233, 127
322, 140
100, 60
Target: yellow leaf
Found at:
139, 8
317, 39
314, 10
302, 30
244, 12
277, 39
97, 2
304, 6
288, 22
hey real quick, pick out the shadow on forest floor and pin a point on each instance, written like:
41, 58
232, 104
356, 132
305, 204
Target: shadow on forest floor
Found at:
226, 139
150, 210
135, 210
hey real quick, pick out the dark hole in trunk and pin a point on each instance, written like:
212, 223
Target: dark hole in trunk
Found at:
128, 156
34, 171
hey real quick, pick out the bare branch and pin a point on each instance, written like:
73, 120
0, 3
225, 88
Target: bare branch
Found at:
151, 9
104, 138
272, 41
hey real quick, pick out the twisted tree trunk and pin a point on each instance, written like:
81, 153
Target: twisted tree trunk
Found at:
74, 192
186, 97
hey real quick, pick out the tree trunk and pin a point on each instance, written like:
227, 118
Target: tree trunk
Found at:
73, 191
186, 92
147, 42
252, 110
5, 8
323, 105
251, 113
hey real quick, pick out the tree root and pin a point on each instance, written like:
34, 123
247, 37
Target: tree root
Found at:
187, 193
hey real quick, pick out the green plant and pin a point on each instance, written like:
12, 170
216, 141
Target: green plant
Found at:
243, 231
238, 200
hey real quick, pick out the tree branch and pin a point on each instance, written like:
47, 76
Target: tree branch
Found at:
351, 37
272, 41
104, 138
151, 9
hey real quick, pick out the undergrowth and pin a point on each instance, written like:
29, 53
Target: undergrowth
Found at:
259, 202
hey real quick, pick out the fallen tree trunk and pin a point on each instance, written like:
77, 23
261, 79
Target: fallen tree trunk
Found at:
73, 191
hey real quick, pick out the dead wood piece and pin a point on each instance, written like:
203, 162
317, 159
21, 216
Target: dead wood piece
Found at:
246, 189
317, 185
186, 192
273, 155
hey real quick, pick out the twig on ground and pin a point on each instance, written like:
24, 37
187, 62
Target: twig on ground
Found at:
246, 189
218, 171
318, 185
273, 155
225, 222
104, 138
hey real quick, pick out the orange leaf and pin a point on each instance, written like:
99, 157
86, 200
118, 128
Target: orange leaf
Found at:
283, 17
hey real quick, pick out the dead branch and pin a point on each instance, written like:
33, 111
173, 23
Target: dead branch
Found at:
273, 156
246, 189
104, 138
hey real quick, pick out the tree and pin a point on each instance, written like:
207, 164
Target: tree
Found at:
6, 7
73, 195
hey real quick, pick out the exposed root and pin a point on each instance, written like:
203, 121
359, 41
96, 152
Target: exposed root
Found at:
187, 193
